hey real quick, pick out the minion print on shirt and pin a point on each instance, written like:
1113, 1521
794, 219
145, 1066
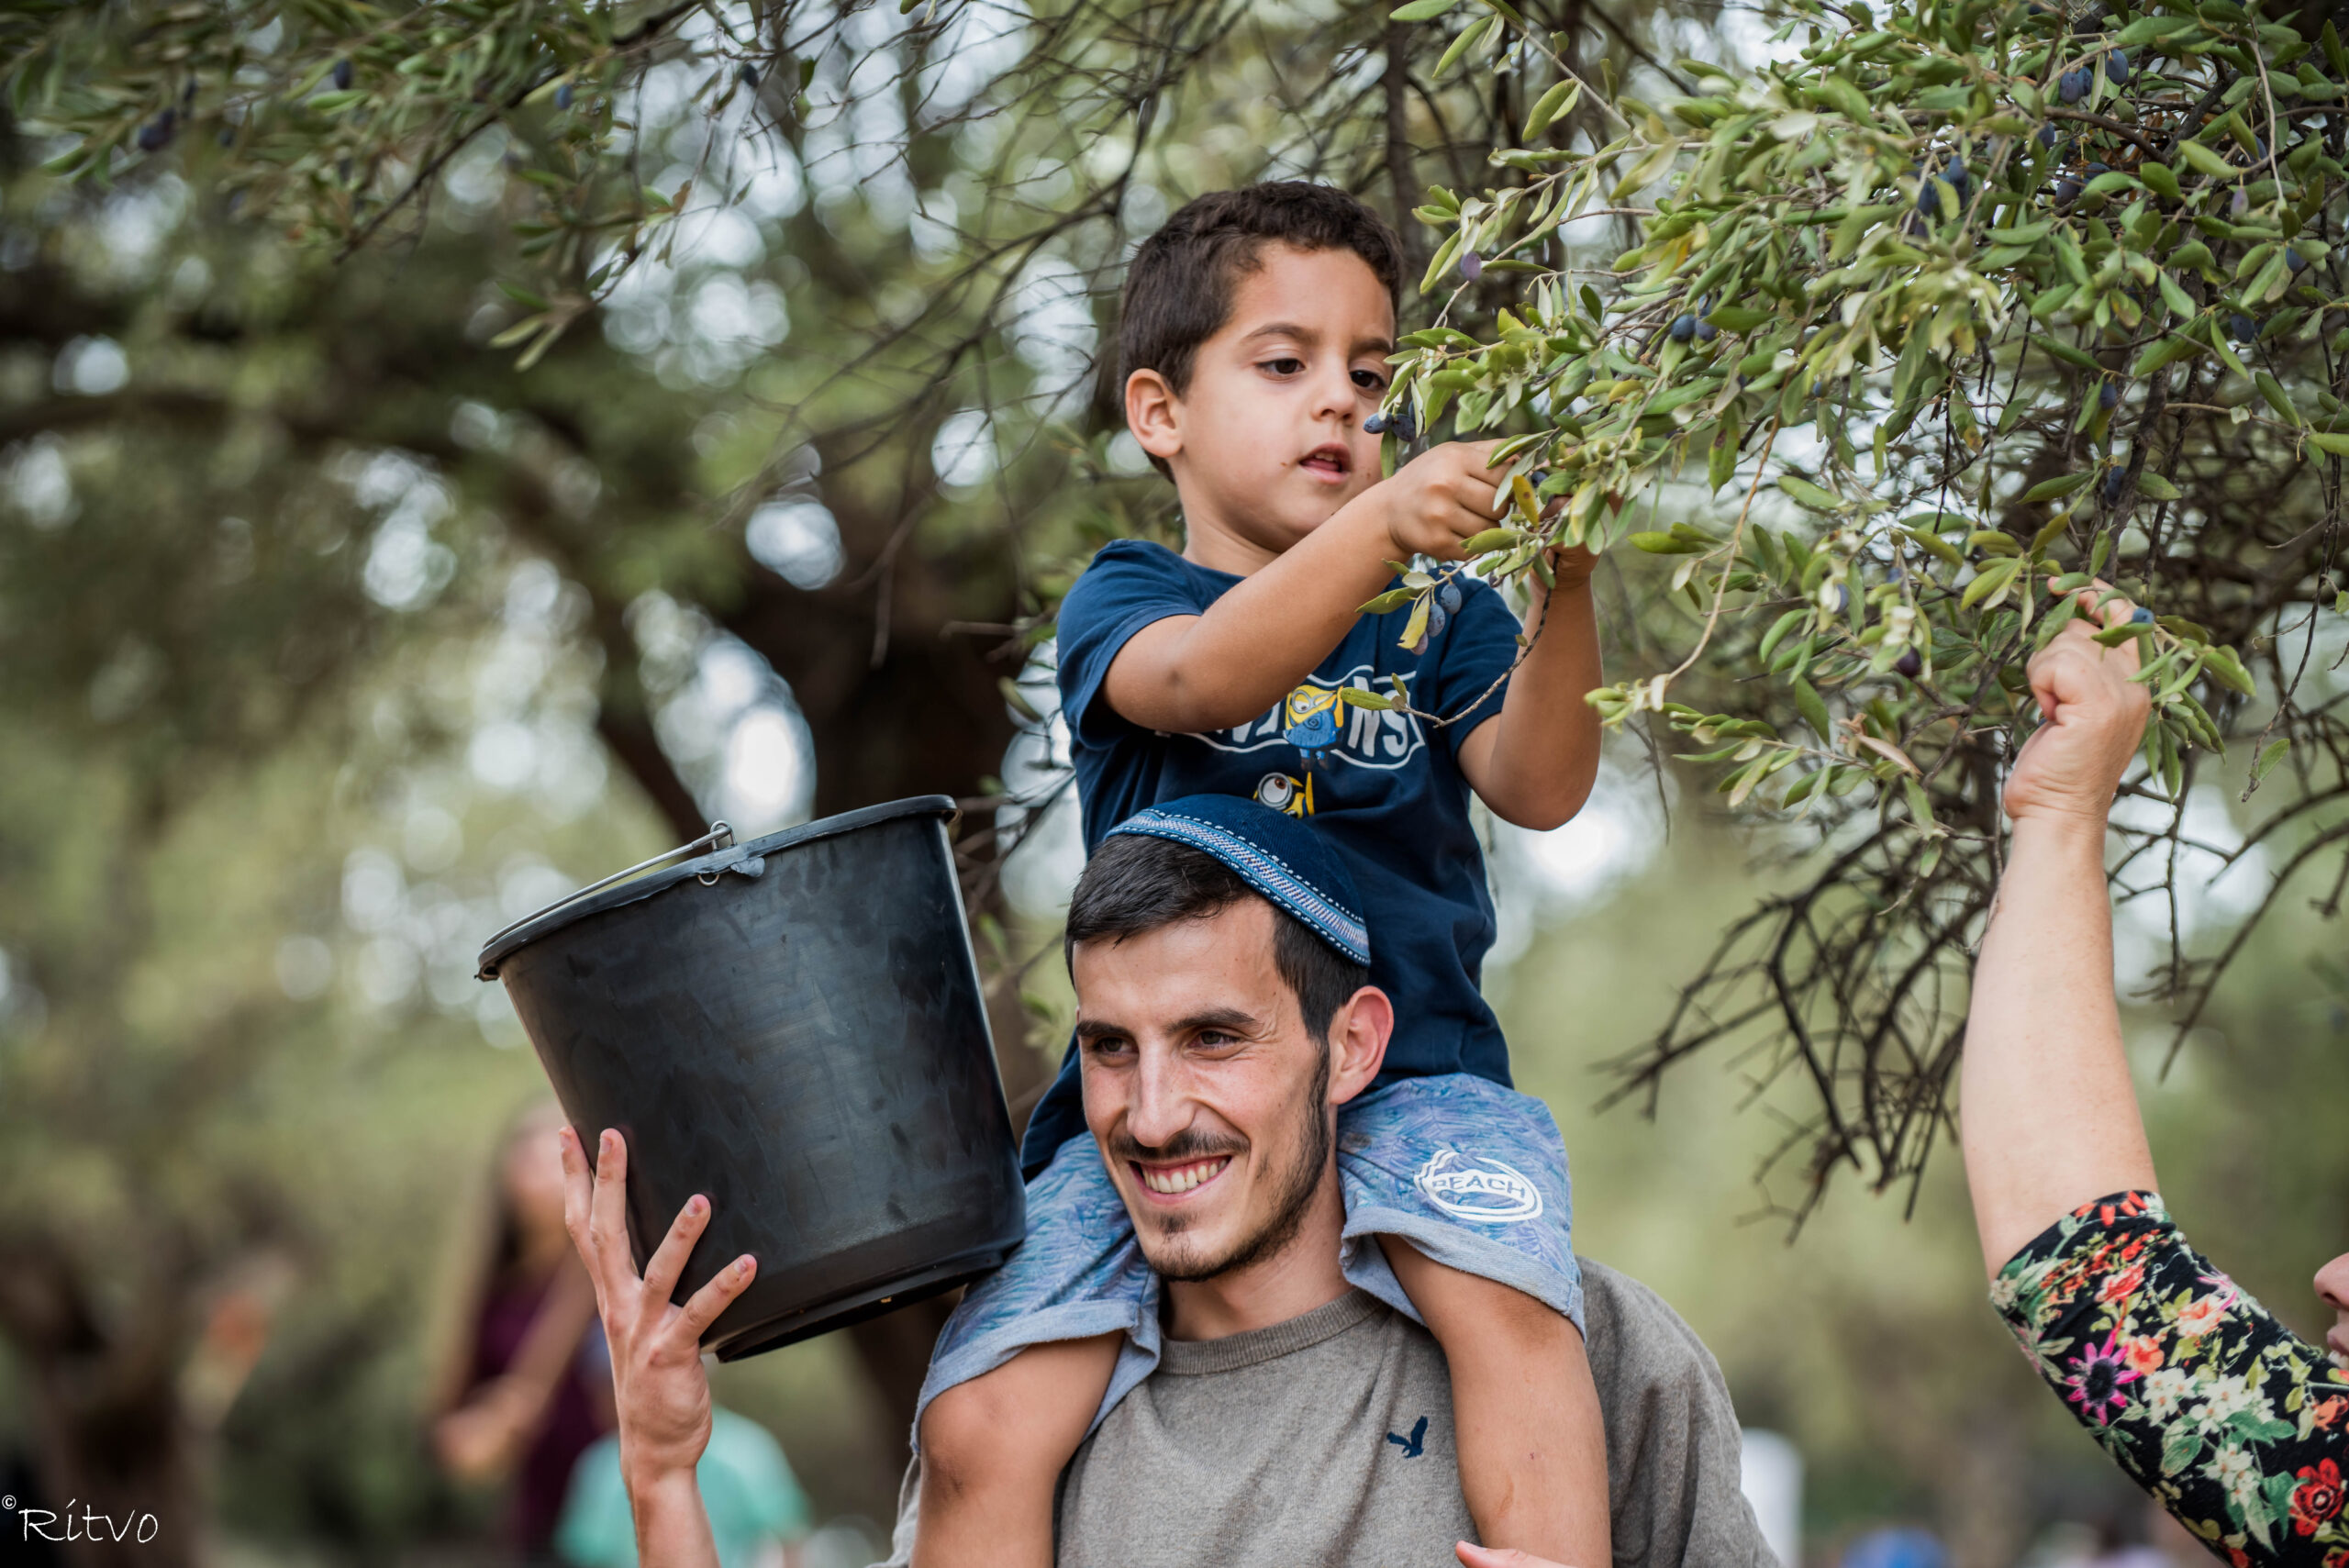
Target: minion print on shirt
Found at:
1324, 730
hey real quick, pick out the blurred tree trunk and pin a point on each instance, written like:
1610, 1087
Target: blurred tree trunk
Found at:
107, 1430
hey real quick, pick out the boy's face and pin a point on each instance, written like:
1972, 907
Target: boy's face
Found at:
1266, 441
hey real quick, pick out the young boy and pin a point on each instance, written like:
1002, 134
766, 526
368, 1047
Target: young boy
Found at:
1256, 328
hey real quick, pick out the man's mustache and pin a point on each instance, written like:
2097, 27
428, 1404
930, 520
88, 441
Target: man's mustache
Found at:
1191, 1143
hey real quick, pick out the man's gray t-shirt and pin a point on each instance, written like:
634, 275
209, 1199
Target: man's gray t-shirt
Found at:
1328, 1440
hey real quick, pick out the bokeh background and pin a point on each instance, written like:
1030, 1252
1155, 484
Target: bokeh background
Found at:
333, 637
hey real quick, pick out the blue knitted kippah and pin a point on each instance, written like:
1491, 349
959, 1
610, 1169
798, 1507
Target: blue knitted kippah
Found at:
1276, 854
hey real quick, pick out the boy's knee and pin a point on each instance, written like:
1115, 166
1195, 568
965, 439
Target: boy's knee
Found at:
1483, 1314
962, 1430
1022, 1420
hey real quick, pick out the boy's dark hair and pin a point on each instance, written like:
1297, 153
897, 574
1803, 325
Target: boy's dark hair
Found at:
1178, 286
1136, 884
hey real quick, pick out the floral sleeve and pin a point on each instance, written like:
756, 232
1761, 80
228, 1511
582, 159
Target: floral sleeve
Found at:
2229, 1420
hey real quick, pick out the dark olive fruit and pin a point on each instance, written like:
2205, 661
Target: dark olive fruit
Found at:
1684, 327
2047, 137
1910, 664
2109, 395
563, 96
2073, 86
342, 74
156, 134
750, 75
1438, 618
1706, 331
1404, 422
1472, 266
1376, 425
2242, 327
1447, 596
2141, 616
2068, 191
2294, 259
2116, 67
1929, 195
2095, 169
2112, 483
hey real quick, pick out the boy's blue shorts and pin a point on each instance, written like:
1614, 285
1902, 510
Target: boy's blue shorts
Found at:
1470, 1174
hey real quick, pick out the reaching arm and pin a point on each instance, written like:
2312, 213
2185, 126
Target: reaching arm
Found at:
660, 1390
1188, 673
2048, 1117
489, 1432
1534, 763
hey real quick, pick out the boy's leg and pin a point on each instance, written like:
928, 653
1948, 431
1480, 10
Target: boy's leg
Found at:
1532, 1445
1463, 1185
993, 1449
1034, 1354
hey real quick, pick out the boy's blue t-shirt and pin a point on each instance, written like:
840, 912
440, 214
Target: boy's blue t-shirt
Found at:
1385, 788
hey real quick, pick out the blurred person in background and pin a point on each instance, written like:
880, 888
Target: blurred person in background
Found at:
2225, 1417
758, 1515
522, 1385
1898, 1546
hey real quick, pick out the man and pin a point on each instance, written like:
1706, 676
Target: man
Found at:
1291, 1417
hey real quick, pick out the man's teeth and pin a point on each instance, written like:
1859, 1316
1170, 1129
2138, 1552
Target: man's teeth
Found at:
1183, 1178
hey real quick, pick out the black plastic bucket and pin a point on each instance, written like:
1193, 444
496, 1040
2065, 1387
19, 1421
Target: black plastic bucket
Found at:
793, 1027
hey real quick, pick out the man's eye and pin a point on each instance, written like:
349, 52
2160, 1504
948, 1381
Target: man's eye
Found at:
1108, 1045
1370, 381
1215, 1039
1285, 367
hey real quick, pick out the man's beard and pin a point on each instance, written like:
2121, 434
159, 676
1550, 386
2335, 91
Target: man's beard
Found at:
1293, 1191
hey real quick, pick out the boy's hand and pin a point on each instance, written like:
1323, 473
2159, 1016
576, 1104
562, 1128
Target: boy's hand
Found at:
1442, 497
2092, 718
658, 1383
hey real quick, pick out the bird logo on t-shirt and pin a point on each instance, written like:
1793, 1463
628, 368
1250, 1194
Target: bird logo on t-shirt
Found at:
1414, 1445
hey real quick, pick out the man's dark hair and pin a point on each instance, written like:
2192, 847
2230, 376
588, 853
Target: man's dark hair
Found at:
1136, 884
1178, 286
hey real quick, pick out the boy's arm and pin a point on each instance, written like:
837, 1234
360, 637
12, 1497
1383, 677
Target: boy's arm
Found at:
1188, 673
1534, 762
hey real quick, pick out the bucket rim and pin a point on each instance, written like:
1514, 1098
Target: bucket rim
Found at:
563, 913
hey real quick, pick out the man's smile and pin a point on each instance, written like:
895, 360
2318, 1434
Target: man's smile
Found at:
1177, 1181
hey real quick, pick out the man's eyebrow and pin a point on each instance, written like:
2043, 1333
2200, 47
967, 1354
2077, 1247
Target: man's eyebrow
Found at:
1230, 1021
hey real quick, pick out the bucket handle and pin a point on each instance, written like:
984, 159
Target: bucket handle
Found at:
720, 836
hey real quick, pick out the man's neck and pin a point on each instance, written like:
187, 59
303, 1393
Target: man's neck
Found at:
1290, 1282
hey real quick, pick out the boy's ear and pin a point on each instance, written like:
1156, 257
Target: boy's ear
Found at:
1153, 414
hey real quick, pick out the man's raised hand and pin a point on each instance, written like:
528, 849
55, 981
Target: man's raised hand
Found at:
2092, 717
658, 1384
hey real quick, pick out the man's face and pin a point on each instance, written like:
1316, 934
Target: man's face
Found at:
1268, 434
1212, 1104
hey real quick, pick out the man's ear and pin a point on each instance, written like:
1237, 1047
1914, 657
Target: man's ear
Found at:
1358, 1035
1153, 414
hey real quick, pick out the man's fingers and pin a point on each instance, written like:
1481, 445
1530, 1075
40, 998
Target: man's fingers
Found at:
1490, 1557
578, 1192
607, 1218
668, 1260
702, 1306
